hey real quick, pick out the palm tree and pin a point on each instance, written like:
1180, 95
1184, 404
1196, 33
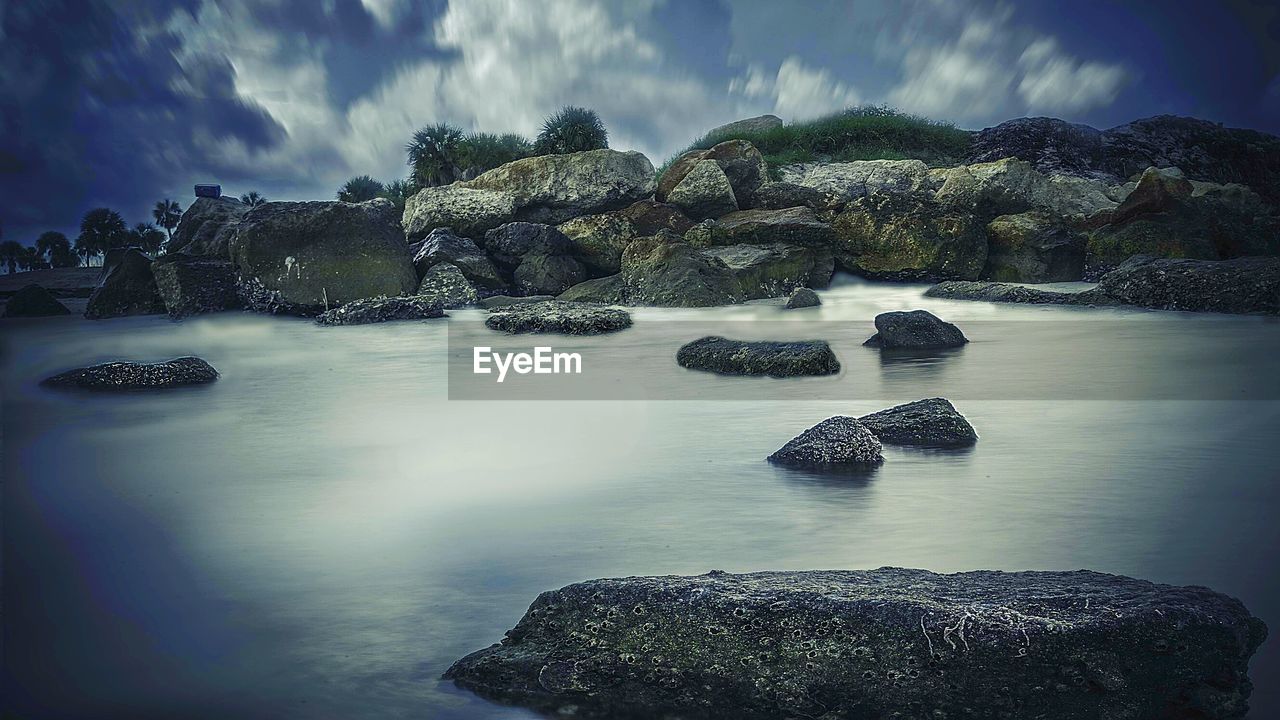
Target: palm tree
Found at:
56, 248
100, 230
11, 252
432, 154
253, 199
359, 189
148, 237
167, 214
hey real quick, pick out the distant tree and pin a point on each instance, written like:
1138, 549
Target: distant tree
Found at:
30, 259
573, 129
253, 199
148, 237
11, 251
55, 248
167, 213
433, 154
359, 189
399, 191
101, 229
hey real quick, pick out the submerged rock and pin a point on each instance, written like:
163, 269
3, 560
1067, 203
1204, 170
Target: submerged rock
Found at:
207, 226
557, 316
1006, 292
803, 297
127, 287
837, 442
916, 330
554, 188
933, 422
744, 357
494, 302
384, 309
874, 644
446, 286
193, 285
34, 301
136, 376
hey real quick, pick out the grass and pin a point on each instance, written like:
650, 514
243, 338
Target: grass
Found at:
865, 133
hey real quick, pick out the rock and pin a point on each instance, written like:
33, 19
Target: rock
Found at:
556, 316
783, 195
776, 269
1013, 186
193, 285
740, 161
924, 423
598, 240
366, 311
442, 245
537, 257
775, 359
1033, 247
676, 171
305, 257
555, 188
650, 217
607, 290
1158, 190
704, 193
916, 330
136, 376
909, 238
500, 301
1243, 285
468, 211
749, 126
803, 297
1005, 292
666, 272
1050, 145
446, 286
836, 442
207, 226
127, 287
841, 182
794, 226
34, 301
881, 643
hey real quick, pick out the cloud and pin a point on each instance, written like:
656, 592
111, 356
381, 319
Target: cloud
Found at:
962, 80
1055, 82
797, 91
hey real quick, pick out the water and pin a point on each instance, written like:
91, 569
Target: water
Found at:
322, 532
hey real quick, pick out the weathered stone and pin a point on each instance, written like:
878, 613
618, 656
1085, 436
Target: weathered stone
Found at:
933, 422
468, 211
909, 238
598, 240
1244, 285
650, 217
874, 644
841, 182
193, 285
1050, 145
916, 330
1005, 292
776, 269
608, 290
1033, 247
704, 192
556, 316
775, 359
536, 257
740, 161
446, 286
659, 271
749, 126
676, 171
136, 376
34, 301
1011, 186
207, 226
494, 302
803, 297
556, 188
442, 245
366, 311
127, 287
782, 195
836, 442
794, 226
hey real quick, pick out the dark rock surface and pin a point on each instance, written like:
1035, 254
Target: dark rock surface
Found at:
1244, 285
136, 376
442, 245
933, 422
34, 301
538, 258
384, 309
776, 269
794, 226
494, 302
783, 195
743, 357
916, 330
803, 297
838, 442
882, 643
557, 316
1006, 292
664, 271
1052, 145
207, 226
127, 287
192, 285
1033, 247
608, 290
446, 286
909, 237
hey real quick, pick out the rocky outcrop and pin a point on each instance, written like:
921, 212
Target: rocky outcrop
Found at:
1006, 292
598, 240
914, 330
1050, 145
609, 290
842, 182
367, 311
874, 644
909, 238
556, 316
442, 245
749, 126
207, 226
136, 376
127, 287
33, 301
664, 271
1033, 247
650, 217
1012, 186
774, 270
740, 161
1243, 285
774, 359
783, 195
194, 285
493, 302
802, 297
305, 257
704, 192
537, 258
468, 211
933, 422
446, 286
835, 443
555, 188
794, 226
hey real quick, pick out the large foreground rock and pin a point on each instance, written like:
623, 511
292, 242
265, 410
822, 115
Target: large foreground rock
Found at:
306, 257
1244, 285
468, 211
555, 188
933, 422
207, 226
775, 270
557, 316
909, 238
775, 359
914, 330
136, 376
34, 301
838, 442
193, 285
367, 311
127, 287
883, 643
442, 245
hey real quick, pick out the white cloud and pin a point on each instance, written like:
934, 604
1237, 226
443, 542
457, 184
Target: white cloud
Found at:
798, 92
960, 80
1055, 82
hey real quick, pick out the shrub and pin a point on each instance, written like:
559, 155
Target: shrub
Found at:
433, 153
573, 129
359, 189
483, 151
253, 199
398, 191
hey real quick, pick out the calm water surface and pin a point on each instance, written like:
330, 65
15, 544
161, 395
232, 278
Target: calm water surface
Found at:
322, 532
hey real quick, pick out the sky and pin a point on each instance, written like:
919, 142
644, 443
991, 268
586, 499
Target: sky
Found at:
121, 103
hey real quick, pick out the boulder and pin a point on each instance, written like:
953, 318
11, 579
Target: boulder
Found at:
650, 217
1244, 285
881, 643
442, 245
1050, 145
494, 302
915, 330
207, 226
783, 195
704, 192
598, 240
556, 188
774, 270
740, 161
556, 316
1033, 247
468, 211
446, 286
538, 258
305, 257
837, 442
775, 359
1158, 190
609, 290
794, 226
841, 182
136, 376
933, 422
676, 171
909, 238
803, 297
34, 301
749, 126
193, 285
366, 311
663, 271
1011, 186
127, 287
1006, 292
